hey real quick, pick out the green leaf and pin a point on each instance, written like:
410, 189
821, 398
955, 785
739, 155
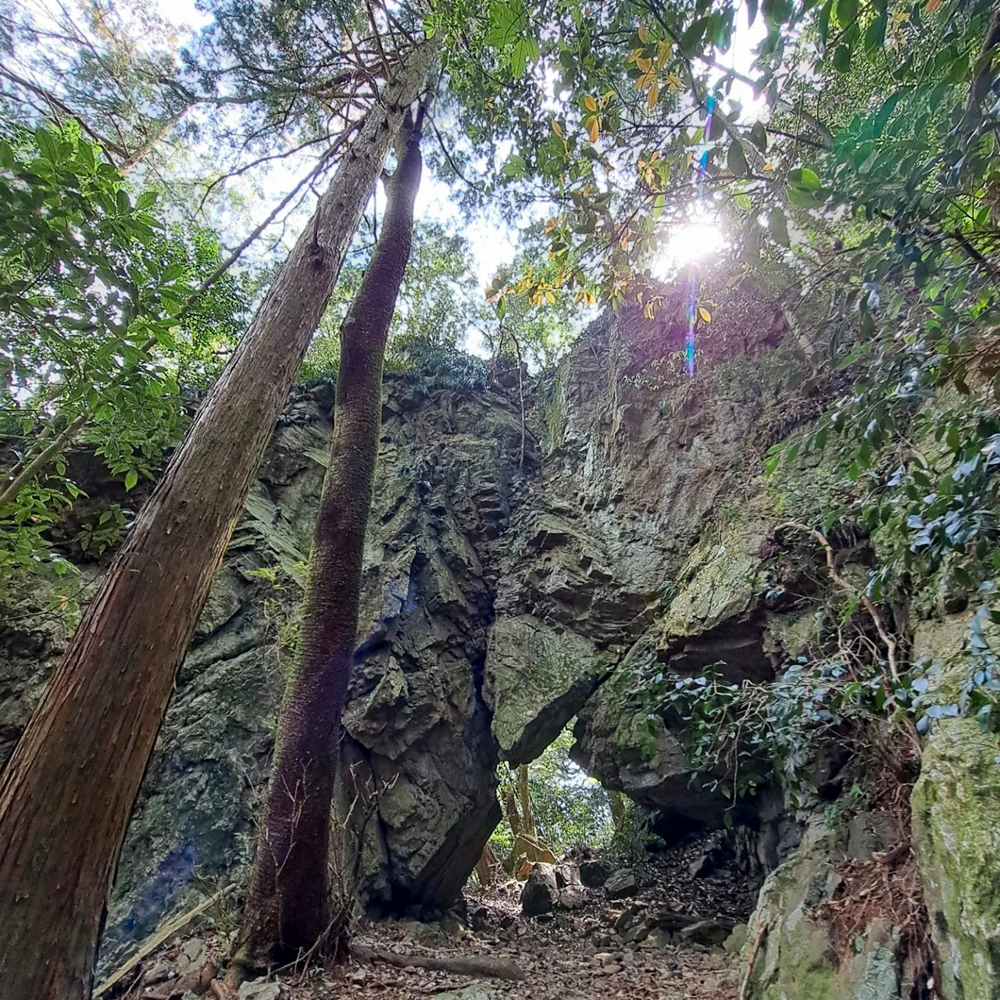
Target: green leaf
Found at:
884, 112
736, 159
758, 136
875, 34
846, 12
514, 167
146, 200
131, 478
691, 38
823, 24
777, 226
842, 58
718, 128
805, 178
801, 198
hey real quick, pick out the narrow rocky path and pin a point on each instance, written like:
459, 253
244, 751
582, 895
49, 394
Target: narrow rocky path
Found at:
587, 929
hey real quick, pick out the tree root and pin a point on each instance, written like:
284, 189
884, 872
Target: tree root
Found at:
758, 940
462, 965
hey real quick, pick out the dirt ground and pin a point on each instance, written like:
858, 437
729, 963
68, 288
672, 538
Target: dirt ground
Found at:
637, 947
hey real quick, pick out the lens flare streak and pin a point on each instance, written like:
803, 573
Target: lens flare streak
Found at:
692, 289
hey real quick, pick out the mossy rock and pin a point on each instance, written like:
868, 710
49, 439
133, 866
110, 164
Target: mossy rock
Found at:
719, 580
956, 835
537, 679
798, 960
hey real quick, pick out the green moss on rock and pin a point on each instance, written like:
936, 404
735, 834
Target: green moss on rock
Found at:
719, 580
956, 834
536, 680
799, 960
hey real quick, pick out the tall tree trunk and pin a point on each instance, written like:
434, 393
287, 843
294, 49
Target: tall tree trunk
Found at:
288, 909
68, 790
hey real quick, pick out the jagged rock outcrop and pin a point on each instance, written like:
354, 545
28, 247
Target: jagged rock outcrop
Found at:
419, 782
510, 568
800, 959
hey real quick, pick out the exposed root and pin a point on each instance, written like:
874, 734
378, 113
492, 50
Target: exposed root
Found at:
888, 887
751, 961
888, 884
463, 965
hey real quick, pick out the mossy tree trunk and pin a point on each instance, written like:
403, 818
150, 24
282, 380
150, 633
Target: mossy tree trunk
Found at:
68, 790
288, 909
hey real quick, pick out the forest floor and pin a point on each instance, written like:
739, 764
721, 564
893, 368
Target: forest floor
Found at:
659, 942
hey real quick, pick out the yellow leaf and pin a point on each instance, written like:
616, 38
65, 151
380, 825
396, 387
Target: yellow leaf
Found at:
932, 6
643, 33
649, 311
644, 64
589, 103
653, 96
593, 127
557, 128
706, 316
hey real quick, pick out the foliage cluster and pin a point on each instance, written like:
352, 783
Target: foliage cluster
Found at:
569, 808
107, 326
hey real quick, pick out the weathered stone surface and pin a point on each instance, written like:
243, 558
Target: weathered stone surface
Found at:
594, 872
572, 897
259, 991
540, 893
498, 593
536, 679
621, 884
798, 959
956, 836
709, 933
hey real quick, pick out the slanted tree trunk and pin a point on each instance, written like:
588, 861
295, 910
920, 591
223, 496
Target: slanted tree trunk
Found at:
486, 868
68, 790
288, 908
527, 819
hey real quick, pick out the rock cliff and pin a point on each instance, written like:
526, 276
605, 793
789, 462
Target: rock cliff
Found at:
527, 566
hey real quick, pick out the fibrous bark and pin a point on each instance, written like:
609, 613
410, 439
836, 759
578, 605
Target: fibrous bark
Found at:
68, 790
288, 908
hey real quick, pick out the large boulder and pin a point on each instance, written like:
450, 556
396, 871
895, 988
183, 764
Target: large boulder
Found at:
956, 836
536, 679
541, 891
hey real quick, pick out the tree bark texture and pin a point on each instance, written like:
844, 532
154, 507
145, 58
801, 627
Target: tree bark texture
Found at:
288, 909
67, 792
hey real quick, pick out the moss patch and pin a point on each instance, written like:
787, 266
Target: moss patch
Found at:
956, 834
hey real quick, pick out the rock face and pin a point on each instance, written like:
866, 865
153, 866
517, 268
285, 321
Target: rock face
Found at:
956, 835
418, 776
621, 884
517, 574
799, 958
524, 568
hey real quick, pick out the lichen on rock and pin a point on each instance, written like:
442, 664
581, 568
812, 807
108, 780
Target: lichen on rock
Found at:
956, 836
